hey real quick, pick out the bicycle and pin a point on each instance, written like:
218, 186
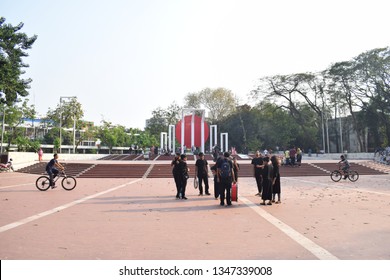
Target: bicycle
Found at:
352, 175
68, 182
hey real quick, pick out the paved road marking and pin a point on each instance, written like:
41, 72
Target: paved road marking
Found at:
62, 207
14, 186
337, 185
309, 245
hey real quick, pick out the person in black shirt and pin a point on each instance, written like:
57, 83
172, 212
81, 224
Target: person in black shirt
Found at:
176, 173
225, 180
52, 169
201, 171
216, 183
236, 168
183, 170
258, 165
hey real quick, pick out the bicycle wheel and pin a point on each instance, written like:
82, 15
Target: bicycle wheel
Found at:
43, 183
68, 183
353, 176
335, 176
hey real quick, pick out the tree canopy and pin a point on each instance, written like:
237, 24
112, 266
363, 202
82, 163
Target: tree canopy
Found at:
13, 47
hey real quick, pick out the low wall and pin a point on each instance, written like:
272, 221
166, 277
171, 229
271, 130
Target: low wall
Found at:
22, 159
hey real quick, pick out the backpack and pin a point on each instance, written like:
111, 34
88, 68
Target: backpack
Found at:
225, 169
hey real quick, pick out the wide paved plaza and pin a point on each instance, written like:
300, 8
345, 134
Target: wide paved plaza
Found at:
140, 219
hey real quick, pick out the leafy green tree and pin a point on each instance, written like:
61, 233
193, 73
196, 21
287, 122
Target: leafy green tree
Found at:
53, 134
219, 102
66, 112
372, 71
294, 92
147, 140
14, 116
13, 46
106, 135
162, 118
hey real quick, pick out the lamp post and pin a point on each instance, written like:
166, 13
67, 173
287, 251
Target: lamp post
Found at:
2, 130
66, 97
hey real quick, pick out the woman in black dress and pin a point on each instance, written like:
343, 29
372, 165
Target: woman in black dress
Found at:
267, 182
276, 179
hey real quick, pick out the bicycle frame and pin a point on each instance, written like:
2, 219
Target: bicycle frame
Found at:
67, 182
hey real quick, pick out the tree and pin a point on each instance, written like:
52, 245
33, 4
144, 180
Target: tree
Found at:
107, 136
14, 116
219, 102
13, 46
66, 112
162, 118
373, 71
293, 93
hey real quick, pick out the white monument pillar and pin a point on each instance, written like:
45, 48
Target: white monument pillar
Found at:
163, 141
213, 136
171, 139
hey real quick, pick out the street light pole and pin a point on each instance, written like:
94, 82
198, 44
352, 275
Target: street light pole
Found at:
2, 131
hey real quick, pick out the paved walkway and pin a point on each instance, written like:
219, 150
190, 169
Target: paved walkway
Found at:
140, 219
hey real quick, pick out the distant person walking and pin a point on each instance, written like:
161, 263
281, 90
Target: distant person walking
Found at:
40, 154
299, 156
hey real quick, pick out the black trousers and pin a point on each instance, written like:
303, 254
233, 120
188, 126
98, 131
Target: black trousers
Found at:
225, 191
183, 185
216, 187
177, 183
203, 178
259, 181
52, 174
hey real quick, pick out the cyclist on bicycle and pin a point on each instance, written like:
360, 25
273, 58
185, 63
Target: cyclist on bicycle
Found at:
344, 164
51, 169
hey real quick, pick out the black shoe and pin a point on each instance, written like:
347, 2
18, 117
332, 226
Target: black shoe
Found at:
177, 197
200, 194
184, 197
208, 193
229, 204
222, 204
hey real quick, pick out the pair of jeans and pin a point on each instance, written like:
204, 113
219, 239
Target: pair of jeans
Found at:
52, 174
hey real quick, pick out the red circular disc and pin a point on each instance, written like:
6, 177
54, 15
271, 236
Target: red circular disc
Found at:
187, 130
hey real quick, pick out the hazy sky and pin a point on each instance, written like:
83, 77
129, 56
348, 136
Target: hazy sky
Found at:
123, 59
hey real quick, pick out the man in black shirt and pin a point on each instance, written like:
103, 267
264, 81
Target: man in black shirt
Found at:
176, 173
201, 171
225, 178
52, 169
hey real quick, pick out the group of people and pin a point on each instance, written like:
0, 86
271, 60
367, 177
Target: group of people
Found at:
293, 157
382, 155
225, 173
267, 175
